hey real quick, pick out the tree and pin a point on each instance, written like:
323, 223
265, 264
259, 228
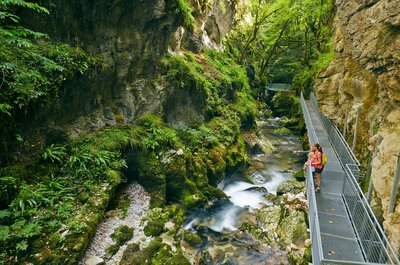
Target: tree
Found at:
283, 37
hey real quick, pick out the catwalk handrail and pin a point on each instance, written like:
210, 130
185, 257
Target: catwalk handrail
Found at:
340, 144
372, 239
307, 119
315, 233
366, 225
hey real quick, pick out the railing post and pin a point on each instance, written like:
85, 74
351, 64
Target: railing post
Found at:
393, 194
369, 169
345, 120
355, 130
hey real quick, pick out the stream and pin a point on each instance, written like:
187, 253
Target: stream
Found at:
218, 225
223, 242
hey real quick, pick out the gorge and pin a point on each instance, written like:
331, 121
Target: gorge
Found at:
141, 132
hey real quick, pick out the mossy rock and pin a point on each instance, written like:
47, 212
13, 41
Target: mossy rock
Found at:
155, 253
299, 175
291, 186
154, 228
282, 131
192, 238
122, 234
112, 249
293, 228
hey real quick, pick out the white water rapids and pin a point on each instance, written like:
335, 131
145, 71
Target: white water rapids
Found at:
241, 197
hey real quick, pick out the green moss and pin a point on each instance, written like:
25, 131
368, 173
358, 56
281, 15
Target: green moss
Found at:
282, 131
112, 249
299, 175
185, 11
122, 234
191, 238
155, 253
157, 218
154, 228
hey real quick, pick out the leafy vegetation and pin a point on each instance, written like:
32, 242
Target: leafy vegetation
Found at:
59, 200
33, 70
284, 40
185, 11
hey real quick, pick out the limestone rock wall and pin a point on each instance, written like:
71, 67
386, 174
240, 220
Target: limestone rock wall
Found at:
132, 37
365, 74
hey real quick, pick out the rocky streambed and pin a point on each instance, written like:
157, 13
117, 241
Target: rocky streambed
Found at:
137, 200
263, 220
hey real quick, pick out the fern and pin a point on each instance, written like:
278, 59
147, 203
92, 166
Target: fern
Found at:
22, 246
5, 233
54, 153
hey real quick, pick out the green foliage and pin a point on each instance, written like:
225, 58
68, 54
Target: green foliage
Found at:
185, 11
214, 76
32, 69
282, 38
54, 153
304, 80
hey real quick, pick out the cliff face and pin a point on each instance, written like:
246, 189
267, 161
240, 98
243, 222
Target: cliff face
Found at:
365, 74
132, 37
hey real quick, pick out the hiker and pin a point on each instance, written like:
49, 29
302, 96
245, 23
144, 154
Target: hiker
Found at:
317, 163
311, 159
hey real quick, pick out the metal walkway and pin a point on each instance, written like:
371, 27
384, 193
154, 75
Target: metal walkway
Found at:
343, 228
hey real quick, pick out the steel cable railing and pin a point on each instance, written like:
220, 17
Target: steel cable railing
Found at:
341, 147
372, 240
315, 233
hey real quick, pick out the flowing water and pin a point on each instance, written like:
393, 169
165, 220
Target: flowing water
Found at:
218, 224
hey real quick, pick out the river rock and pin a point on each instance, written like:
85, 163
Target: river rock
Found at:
258, 143
262, 190
95, 261
290, 186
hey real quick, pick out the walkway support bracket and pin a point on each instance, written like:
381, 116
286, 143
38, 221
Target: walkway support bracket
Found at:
395, 186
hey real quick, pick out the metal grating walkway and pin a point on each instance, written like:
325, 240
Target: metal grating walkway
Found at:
343, 228
338, 237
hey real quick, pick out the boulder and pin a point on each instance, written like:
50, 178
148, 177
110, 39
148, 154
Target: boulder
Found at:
95, 261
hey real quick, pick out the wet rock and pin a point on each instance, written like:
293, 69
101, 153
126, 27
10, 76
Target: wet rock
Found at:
217, 255
192, 238
262, 190
290, 186
95, 261
258, 143
205, 258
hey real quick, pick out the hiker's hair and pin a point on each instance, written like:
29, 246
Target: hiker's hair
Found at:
319, 148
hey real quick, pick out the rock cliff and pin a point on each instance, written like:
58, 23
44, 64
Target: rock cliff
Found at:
365, 74
132, 37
